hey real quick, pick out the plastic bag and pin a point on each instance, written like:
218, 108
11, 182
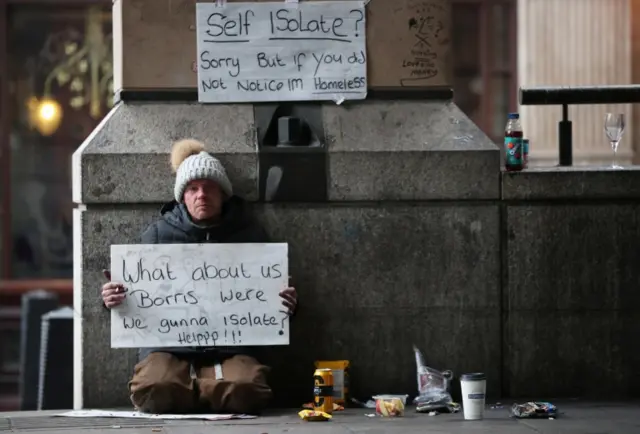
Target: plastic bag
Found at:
433, 387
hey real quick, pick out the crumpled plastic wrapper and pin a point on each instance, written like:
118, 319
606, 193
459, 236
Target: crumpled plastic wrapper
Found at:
433, 388
439, 402
314, 416
311, 406
530, 410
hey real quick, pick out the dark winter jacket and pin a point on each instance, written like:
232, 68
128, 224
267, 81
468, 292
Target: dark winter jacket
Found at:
176, 227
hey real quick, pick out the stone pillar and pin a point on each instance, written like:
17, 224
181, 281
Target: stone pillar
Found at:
634, 15
573, 43
146, 57
391, 268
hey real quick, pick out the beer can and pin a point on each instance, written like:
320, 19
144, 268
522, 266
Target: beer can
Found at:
323, 390
340, 370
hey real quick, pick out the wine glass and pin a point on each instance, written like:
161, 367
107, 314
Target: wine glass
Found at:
614, 129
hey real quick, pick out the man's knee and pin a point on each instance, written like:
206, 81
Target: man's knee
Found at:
156, 397
248, 397
161, 383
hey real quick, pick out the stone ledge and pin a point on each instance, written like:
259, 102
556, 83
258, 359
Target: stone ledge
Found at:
572, 183
392, 176
147, 178
395, 150
409, 150
126, 158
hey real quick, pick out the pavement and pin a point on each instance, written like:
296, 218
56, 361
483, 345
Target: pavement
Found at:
574, 418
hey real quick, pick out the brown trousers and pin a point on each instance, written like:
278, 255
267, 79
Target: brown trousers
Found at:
162, 383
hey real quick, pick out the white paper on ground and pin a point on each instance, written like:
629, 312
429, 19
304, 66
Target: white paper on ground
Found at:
139, 415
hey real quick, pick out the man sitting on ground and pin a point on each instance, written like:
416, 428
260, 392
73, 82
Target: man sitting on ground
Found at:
228, 379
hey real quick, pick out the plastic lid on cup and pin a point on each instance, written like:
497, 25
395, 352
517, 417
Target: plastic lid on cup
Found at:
476, 376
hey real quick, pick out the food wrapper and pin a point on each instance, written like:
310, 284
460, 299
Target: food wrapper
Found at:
340, 370
390, 406
531, 410
311, 406
314, 416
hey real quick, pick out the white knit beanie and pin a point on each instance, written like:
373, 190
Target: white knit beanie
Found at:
190, 161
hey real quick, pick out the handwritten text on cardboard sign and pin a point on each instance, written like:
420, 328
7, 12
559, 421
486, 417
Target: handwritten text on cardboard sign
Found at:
250, 52
200, 295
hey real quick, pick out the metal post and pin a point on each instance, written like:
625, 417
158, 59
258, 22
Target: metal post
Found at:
565, 138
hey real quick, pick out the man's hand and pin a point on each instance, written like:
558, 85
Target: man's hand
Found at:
289, 299
112, 293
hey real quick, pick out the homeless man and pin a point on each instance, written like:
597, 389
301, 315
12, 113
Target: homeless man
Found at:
228, 379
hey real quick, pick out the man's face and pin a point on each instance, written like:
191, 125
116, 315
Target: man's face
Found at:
203, 199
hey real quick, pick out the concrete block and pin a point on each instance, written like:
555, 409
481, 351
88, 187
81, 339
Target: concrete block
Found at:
96, 383
372, 281
126, 158
572, 295
377, 151
408, 150
555, 183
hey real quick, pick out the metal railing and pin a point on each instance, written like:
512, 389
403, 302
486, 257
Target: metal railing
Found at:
573, 95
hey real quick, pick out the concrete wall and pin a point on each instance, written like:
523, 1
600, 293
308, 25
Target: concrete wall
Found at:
570, 289
529, 278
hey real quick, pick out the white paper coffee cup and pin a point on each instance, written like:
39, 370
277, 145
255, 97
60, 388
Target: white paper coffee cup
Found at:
474, 387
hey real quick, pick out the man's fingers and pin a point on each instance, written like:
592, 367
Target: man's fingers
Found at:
288, 304
112, 286
114, 297
111, 302
289, 298
288, 292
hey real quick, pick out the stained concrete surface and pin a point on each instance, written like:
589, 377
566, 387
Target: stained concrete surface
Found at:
529, 277
573, 183
344, 306
405, 226
575, 418
573, 300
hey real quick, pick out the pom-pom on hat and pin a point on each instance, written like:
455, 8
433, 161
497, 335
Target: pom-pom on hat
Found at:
190, 161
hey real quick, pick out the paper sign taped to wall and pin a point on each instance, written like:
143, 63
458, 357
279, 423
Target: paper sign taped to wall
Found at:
252, 52
188, 295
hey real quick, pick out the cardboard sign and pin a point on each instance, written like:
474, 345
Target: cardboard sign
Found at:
256, 52
200, 295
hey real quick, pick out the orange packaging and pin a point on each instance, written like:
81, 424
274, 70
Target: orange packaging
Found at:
340, 370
